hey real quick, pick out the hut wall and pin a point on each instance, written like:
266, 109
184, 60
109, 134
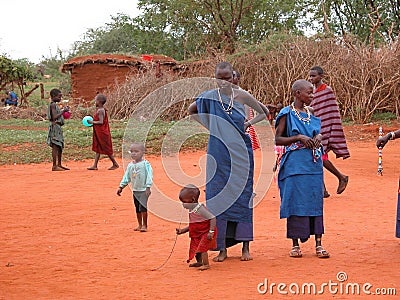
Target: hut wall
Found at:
90, 79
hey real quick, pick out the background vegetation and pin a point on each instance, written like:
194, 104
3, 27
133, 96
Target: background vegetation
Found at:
23, 141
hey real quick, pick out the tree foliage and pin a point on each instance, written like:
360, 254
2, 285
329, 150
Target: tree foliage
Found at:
187, 29
220, 24
368, 20
15, 72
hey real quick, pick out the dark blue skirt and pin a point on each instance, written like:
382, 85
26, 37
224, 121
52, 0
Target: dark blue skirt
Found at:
302, 227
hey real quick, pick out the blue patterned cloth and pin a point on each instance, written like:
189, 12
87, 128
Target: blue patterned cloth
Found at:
230, 164
300, 177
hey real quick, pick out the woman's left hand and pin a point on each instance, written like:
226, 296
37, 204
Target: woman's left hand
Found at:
317, 140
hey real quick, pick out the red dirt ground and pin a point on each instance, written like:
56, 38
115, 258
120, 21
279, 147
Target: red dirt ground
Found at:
66, 235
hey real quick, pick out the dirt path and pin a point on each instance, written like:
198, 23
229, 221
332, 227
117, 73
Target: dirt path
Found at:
66, 235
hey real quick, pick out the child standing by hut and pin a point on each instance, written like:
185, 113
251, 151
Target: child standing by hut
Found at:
55, 137
102, 143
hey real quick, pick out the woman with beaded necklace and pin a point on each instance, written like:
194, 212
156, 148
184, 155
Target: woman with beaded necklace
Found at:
300, 177
230, 165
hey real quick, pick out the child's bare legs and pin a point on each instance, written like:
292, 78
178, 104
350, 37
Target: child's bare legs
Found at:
144, 222
204, 259
115, 164
199, 261
295, 252
56, 153
223, 254
320, 251
246, 252
139, 220
343, 179
96, 161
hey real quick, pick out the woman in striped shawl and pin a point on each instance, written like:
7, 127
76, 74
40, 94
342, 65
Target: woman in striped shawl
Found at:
333, 138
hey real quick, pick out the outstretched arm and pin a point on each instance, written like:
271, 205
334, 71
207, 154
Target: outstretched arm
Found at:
382, 140
182, 230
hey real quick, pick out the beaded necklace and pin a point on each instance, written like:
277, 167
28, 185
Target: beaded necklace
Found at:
228, 109
297, 113
195, 209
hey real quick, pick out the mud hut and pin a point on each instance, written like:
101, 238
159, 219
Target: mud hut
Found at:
96, 73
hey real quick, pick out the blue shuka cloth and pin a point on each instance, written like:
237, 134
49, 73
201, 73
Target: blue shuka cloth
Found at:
300, 179
230, 165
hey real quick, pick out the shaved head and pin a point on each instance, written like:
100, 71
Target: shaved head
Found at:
189, 191
300, 85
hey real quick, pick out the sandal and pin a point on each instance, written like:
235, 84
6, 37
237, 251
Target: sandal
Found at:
321, 252
295, 252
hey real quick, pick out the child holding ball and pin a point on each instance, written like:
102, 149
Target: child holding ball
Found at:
102, 143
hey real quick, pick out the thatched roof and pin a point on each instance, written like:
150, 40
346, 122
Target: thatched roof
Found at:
116, 60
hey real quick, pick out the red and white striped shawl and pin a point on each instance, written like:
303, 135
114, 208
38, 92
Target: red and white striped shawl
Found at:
326, 108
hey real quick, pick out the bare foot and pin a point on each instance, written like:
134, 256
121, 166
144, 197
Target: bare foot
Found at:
143, 229
62, 167
246, 252
223, 254
246, 256
92, 168
137, 228
113, 167
57, 168
204, 267
195, 265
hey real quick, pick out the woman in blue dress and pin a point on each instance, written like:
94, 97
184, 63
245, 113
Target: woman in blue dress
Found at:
300, 177
230, 165
381, 142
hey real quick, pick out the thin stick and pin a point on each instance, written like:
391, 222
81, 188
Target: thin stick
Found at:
380, 168
173, 247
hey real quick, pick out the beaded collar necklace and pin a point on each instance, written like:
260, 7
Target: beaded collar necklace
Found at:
228, 109
297, 113
195, 209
